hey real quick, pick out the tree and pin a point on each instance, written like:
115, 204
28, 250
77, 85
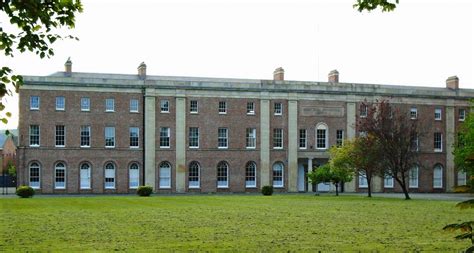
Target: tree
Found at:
327, 173
467, 227
370, 5
34, 24
397, 137
361, 154
464, 149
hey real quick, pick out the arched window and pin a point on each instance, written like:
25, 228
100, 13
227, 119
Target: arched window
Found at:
278, 174
438, 176
222, 175
109, 178
35, 175
413, 177
250, 175
193, 177
85, 176
60, 176
462, 178
321, 136
134, 176
165, 175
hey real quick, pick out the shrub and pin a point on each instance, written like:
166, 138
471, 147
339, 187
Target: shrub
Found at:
267, 190
25, 191
462, 189
144, 191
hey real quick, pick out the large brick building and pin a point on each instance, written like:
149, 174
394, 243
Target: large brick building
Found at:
109, 133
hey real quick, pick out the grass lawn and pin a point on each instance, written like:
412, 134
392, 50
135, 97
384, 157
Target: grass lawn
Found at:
228, 222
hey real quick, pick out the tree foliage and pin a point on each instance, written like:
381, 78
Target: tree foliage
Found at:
34, 25
369, 5
464, 148
466, 228
336, 174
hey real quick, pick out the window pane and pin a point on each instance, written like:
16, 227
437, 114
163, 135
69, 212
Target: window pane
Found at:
110, 136
438, 177
60, 103
60, 176
134, 137
164, 106
251, 137
34, 135
250, 108
222, 107
302, 141
222, 174
85, 136
222, 137
277, 138
165, 175
193, 176
85, 104
35, 175
134, 174
250, 175
60, 136
109, 105
85, 176
109, 176
34, 103
133, 105
165, 137
193, 137
193, 106
278, 175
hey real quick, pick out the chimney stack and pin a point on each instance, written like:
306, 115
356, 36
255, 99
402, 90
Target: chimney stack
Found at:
142, 71
333, 76
452, 83
68, 67
279, 74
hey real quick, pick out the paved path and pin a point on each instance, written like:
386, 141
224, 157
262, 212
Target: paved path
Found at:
428, 196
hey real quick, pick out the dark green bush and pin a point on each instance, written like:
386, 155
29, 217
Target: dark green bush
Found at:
267, 190
25, 191
144, 191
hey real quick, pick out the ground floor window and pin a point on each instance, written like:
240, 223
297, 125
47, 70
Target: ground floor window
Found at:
388, 181
222, 175
413, 177
134, 176
250, 175
165, 175
363, 180
60, 176
278, 174
193, 177
109, 176
85, 176
462, 178
438, 176
35, 175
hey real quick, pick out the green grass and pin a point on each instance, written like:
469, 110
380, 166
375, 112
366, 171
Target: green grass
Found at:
228, 222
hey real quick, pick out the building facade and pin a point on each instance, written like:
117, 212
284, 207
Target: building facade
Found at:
110, 133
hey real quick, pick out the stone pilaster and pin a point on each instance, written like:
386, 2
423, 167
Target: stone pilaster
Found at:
350, 134
180, 144
310, 169
450, 140
292, 145
264, 142
149, 141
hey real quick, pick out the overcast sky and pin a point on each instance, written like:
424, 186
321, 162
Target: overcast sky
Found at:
421, 43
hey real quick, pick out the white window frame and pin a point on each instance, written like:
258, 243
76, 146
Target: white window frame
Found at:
251, 173
415, 143
251, 138
109, 105
413, 113
134, 105
222, 138
250, 108
60, 103
56, 136
193, 137
133, 177
112, 129
85, 104
85, 136
84, 180
277, 138
164, 106
222, 107
193, 109
196, 185
462, 116
57, 184
35, 184
165, 180
438, 181
111, 184
322, 127
440, 149
438, 112
278, 108
388, 181
413, 181
222, 183
339, 137
461, 178
39, 136
34, 107
278, 183
303, 139
165, 138
363, 182
363, 111
131, 131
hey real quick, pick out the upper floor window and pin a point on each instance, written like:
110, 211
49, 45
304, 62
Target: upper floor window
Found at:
134, 137
194, 137
339, 137
250, 108
277, 138
110, 137
251, 137
415, 143
165, 137
462, 114
60, 136
222, 107
34, 135
437, 114
193, 106
413, 113
222, 139
438, 142
34, 102
85, 136
302, 139
60, 103
277, 108
321, 136
109, 105
364, 110
85, 104
133, 105
165, 106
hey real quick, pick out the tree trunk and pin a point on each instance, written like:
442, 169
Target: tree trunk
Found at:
403, 185
337, 190
369, 185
